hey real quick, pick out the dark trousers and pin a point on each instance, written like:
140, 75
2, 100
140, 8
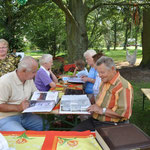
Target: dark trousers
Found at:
91, 124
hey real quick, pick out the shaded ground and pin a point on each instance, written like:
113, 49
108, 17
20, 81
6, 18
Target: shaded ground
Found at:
134, 73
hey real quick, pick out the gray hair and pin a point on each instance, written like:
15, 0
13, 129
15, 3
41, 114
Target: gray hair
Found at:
89, 52
26, 63
45, 58
108, 61
4, 41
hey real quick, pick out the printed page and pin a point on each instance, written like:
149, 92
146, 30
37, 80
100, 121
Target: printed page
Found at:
74, 104
40, 106
48, 96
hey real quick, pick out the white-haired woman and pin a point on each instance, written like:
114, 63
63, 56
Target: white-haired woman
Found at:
8, 62
45, 78
90, 79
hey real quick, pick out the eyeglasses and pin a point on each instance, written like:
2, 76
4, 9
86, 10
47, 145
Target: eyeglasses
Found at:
3, 47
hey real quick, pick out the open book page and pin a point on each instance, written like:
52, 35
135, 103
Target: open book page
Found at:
74, 104
40, 106
42, 101
50, 95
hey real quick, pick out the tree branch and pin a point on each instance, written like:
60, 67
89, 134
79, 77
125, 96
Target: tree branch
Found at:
64, 8
116, 4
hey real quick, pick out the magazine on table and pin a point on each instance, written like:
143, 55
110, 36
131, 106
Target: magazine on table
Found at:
72, 80
42, 101
74, 104
75, 80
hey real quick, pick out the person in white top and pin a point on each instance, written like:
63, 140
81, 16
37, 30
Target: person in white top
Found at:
98, 79
80, 67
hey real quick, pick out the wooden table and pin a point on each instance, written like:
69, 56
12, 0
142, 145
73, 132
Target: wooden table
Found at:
55, 112
146, 93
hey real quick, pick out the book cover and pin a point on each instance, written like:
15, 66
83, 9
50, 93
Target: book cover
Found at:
74, 104
42, 101
122, 137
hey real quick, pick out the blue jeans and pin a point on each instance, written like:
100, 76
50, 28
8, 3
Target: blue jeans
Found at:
22, 122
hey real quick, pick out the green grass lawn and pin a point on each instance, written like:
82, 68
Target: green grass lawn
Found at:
139, 117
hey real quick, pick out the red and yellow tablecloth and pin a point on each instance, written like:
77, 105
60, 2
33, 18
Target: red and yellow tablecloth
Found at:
62, 87
51, 140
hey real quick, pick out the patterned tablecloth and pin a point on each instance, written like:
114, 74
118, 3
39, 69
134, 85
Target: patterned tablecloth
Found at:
62, 87
51, 140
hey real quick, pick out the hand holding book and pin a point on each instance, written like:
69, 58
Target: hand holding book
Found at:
95, 108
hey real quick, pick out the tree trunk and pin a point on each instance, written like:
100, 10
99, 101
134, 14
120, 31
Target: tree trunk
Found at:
115, 35
126, 38
77, 39
146, 39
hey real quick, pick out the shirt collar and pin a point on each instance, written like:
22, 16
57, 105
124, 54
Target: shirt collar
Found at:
48, 73
114, 79
16, 78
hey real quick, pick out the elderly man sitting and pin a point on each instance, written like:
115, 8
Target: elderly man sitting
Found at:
115, 99
15, 90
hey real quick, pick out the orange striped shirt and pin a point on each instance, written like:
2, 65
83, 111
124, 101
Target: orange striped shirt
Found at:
116, 95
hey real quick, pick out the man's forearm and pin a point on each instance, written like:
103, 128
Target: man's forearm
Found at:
10, 108
112, 114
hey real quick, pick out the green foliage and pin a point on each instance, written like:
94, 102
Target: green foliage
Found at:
10, 24
45, 28
140, 117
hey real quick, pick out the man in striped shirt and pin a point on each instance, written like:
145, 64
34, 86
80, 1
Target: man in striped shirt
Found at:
115, 99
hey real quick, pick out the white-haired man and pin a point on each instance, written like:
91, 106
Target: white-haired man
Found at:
115, 99
16, 88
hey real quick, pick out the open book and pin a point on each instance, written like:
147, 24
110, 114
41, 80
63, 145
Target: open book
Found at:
74, 104
42, 101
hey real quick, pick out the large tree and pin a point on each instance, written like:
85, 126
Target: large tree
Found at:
76, 13
146, 39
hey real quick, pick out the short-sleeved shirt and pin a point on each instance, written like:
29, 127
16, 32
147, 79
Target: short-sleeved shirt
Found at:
116, 95
42, 80
8, 64
13, 91
89, 86
81, 73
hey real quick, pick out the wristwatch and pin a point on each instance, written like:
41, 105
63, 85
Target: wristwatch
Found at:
104, 111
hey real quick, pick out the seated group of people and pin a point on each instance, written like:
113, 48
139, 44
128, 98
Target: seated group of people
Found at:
112, 100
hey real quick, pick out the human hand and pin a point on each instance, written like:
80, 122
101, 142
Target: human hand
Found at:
84, 78
95, 108
23, 105
76, 68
